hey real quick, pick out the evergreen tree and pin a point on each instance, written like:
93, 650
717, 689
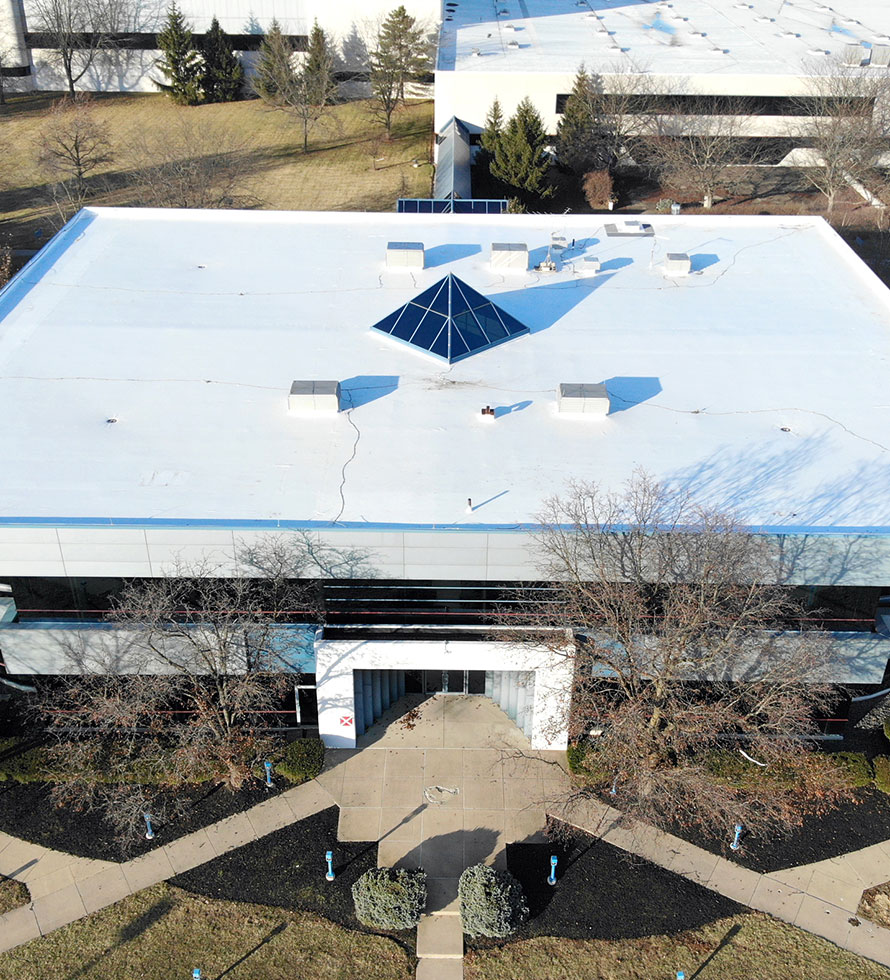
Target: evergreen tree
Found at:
491, 134
180, 62
222, 76
579, 145
520, 159
274, 68
402, 44
318, 69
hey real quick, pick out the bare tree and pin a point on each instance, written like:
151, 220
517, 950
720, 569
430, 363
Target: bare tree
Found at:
695, 687
186, 162
307, 91
604, 118
847, 127
77, 30
704, 152
5, 265
180, 689
72, 146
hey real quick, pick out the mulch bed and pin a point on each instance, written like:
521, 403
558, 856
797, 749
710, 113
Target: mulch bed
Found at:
852, 825
28, 812
603, 893
287, 869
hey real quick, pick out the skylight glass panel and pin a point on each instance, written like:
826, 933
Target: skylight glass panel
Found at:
450, 320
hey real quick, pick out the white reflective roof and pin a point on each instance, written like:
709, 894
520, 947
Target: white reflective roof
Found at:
684, 37
760, 379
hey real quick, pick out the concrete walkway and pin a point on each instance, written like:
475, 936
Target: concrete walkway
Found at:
821, 898
450, 791
66, 888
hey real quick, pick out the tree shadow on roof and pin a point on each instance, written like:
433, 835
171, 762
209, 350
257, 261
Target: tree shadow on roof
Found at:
364, 388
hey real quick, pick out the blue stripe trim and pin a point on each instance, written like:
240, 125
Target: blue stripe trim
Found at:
271, 525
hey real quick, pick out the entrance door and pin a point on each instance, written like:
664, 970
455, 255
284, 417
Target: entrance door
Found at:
454, 681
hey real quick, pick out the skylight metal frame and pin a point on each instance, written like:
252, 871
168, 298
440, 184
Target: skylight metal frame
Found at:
461, 317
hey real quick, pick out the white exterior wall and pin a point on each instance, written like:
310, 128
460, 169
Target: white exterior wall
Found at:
351, 24
469, 94
477, 556
337, 659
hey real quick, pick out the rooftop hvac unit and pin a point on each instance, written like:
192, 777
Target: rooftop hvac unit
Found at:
880, 56
314, 397
513, 45
590, 264
677, 264
509, 256
404, 255
591, 400
853, 55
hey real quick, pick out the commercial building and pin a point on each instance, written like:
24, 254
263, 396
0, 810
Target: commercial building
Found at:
687, 51
179, 384
127, 64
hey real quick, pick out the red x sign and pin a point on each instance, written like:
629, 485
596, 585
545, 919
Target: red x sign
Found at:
346, 721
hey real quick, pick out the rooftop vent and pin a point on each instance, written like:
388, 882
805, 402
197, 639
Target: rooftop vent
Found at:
853, 55
509, 256
314, 397
590, 264
880, 56
583, 399
677, 264
404, 255
629, 229
514, 45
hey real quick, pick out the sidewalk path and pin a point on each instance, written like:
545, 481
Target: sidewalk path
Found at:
821, 898
66, 888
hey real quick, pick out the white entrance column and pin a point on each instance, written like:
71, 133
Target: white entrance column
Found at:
337, 659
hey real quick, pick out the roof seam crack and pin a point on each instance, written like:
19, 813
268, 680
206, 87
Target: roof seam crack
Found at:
358, 436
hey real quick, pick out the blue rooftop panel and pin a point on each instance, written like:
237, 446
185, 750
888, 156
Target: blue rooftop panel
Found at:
451, 321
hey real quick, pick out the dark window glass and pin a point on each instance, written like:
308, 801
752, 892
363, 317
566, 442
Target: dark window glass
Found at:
470, 331
458, 345
409, 321
440, 345
428, 296
430, 328
388, 322
440, 303
491, 324
513, 325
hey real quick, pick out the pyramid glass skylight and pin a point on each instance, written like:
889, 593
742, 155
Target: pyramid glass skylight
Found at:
451, 321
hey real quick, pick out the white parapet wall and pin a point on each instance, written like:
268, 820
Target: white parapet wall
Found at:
336, 660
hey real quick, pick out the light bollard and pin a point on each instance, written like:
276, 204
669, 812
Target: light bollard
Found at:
552, 879
614, 788
735, 845
196, 973
681, 975
329, 857
149, 833
268, 767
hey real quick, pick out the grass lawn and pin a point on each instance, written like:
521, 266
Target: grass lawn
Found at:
163, 933
12, 894
349, 166
738, 948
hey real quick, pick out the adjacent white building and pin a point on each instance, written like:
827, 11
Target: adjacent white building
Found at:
764, 50
148, 362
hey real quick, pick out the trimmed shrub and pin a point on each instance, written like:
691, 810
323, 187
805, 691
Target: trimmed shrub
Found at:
390, 898
881, 764
575, 756
491, 902
29, 766
856, 766
301, 759
664, 205
887, 729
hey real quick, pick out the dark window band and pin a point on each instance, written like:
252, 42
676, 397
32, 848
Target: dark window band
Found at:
721, 105
149, 42
15, 71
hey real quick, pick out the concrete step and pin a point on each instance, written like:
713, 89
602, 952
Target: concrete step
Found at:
434, 969
441, 896
440, 937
